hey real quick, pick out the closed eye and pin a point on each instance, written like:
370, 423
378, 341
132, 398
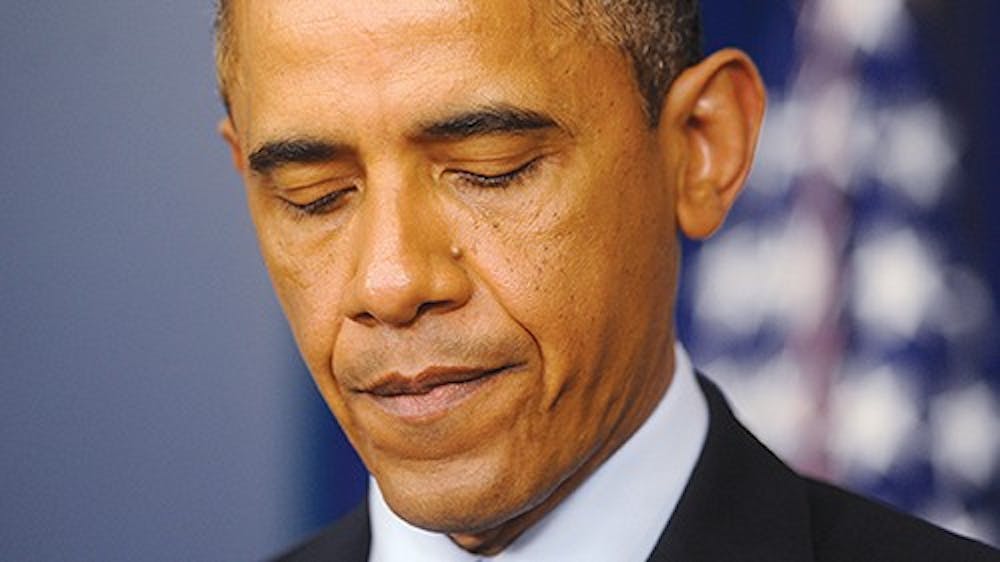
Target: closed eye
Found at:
320, 206
498, 181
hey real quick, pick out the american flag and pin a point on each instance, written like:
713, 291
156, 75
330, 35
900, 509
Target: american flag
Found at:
836, 307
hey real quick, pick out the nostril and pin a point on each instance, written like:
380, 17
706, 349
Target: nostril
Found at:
365, 318
429, 306
400, 317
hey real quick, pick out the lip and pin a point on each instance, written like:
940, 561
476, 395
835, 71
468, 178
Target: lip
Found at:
430, 394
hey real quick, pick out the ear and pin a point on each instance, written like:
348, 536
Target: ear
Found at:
710, 123
227, 130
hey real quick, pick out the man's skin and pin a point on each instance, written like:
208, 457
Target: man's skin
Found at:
472, 229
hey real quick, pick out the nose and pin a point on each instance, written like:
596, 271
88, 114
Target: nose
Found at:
405, 266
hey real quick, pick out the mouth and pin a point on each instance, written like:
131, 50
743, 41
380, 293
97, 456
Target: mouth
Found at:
432, 393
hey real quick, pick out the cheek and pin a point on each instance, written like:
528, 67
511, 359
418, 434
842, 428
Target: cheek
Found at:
308, 279
590, 260
538, 267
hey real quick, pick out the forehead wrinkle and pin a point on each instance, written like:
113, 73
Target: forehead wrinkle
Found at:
308, 33
312, 25
375, 45
559, 15
286, 45
393, 53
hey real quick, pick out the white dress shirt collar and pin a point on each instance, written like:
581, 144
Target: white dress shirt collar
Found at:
617, 514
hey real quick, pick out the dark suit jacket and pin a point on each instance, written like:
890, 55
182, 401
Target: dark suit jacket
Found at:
743, 504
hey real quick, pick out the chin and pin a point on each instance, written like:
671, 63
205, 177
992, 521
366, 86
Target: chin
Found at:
452, 517
446, 503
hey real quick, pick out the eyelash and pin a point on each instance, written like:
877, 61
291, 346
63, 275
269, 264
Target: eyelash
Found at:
328, 202
320, 206
500, 181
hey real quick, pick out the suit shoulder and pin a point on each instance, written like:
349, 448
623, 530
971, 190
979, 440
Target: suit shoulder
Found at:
347, 539
847, 526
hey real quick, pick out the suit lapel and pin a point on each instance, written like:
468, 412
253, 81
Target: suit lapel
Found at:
347, 540
741, 503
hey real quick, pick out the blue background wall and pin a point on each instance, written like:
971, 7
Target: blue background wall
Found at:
152, 405
149, 395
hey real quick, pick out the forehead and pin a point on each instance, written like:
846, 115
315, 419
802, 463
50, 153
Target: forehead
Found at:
307, 16
300, 22
398, 57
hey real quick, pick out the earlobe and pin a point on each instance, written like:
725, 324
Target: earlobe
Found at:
227, 131
712, 116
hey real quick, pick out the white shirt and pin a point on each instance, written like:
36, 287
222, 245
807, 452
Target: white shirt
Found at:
617, 514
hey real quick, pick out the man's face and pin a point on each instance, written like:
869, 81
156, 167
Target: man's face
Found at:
470, 227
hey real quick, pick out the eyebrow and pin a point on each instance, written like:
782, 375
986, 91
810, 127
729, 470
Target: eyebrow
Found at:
490, 120
274, 154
